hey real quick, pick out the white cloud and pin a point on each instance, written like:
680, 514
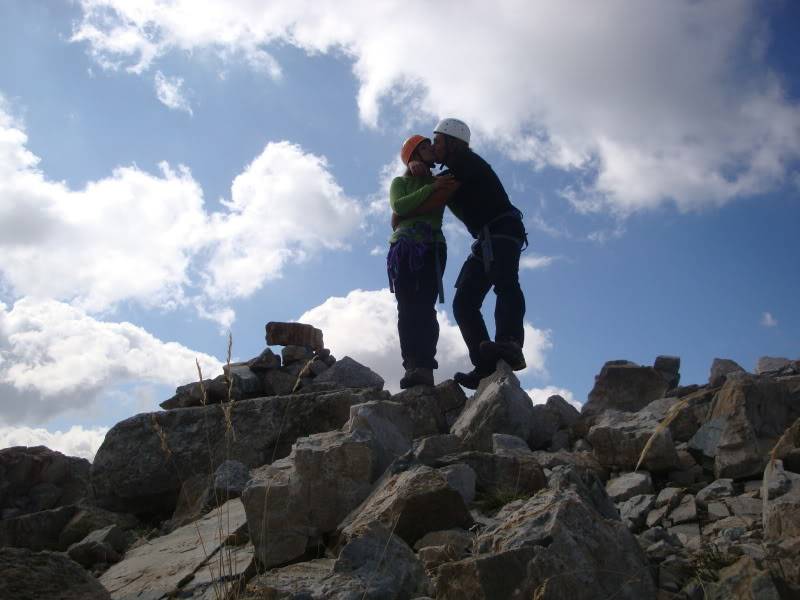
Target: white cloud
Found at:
169, 91
767, 320
76, 441
285, 206
378, 251
540, 395
535, 261
55, 358
683, 106
148, 238
363, 325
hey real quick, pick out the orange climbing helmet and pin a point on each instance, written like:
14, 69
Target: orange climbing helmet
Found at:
410, 145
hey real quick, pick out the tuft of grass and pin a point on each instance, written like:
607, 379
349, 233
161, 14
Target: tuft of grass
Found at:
671, 415
493, 501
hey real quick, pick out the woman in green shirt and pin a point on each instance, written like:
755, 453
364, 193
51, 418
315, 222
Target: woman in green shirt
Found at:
416, 260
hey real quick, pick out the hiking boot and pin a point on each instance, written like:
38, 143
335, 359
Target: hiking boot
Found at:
507, 350
472, 379
416, 376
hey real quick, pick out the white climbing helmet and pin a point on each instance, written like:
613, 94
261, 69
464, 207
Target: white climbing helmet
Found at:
454, 127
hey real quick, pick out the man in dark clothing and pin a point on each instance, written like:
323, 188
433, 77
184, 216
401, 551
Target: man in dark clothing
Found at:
482, 204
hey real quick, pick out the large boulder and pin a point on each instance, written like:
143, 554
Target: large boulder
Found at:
619, 439
28, 575
780, 491
686, 415
143, 460
410, 503
372, 565
37, 478
745, 420
432, 410
556, 415
163, 566
347, 373
623, 386
37, 531
555, 545
294, 334
721, 368
297, 500
505, 474
92, 518
498, 406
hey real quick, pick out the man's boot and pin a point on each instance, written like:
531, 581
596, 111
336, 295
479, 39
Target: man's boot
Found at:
472, 379
416, 376
506, 349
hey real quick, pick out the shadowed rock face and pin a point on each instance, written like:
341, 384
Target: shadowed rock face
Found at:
27, 575
133, 473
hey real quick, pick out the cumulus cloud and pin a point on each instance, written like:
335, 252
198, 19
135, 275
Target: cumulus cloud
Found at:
55, 358
540, 395
285, 206
363, 325
148, 238
76, 441
650, 102
767, 320
169, 91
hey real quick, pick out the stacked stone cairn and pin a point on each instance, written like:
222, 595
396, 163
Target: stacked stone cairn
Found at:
298, 477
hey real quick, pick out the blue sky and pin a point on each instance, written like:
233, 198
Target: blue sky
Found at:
170, 171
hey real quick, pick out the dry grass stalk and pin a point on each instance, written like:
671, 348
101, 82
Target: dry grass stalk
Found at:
161, 435
203, 397
227, 407
671, 415
380, 561
303, 372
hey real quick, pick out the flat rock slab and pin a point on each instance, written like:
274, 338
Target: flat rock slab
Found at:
164, 564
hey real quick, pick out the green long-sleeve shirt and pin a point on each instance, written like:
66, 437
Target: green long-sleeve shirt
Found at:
407, 193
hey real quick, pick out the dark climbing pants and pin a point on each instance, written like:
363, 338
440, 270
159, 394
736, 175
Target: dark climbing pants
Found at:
416, 292
474, 282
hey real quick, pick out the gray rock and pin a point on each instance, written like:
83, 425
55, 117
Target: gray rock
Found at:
430, 448
132, 472
373, 565
509, 445
498, 406
685, 512
28, 575
37, 531
389, 426
458, 538
669, 367
501, 474
582, 460
462, 478
91, 518
292, 354
748, 415
686, 415
413, 503
717, 510
743, 579
162, 565
348, 373
771, 364
229, 479
781, 502
720, 369
656, 517
742, 506
623, 386
265, 361
635, 509
618, 440
102, 546
306, 495
669, 497
628, 485
541, 546
37, 478
279, 383
544, 424
210, 391
568, 415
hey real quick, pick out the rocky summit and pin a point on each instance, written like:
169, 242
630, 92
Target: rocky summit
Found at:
296, 476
